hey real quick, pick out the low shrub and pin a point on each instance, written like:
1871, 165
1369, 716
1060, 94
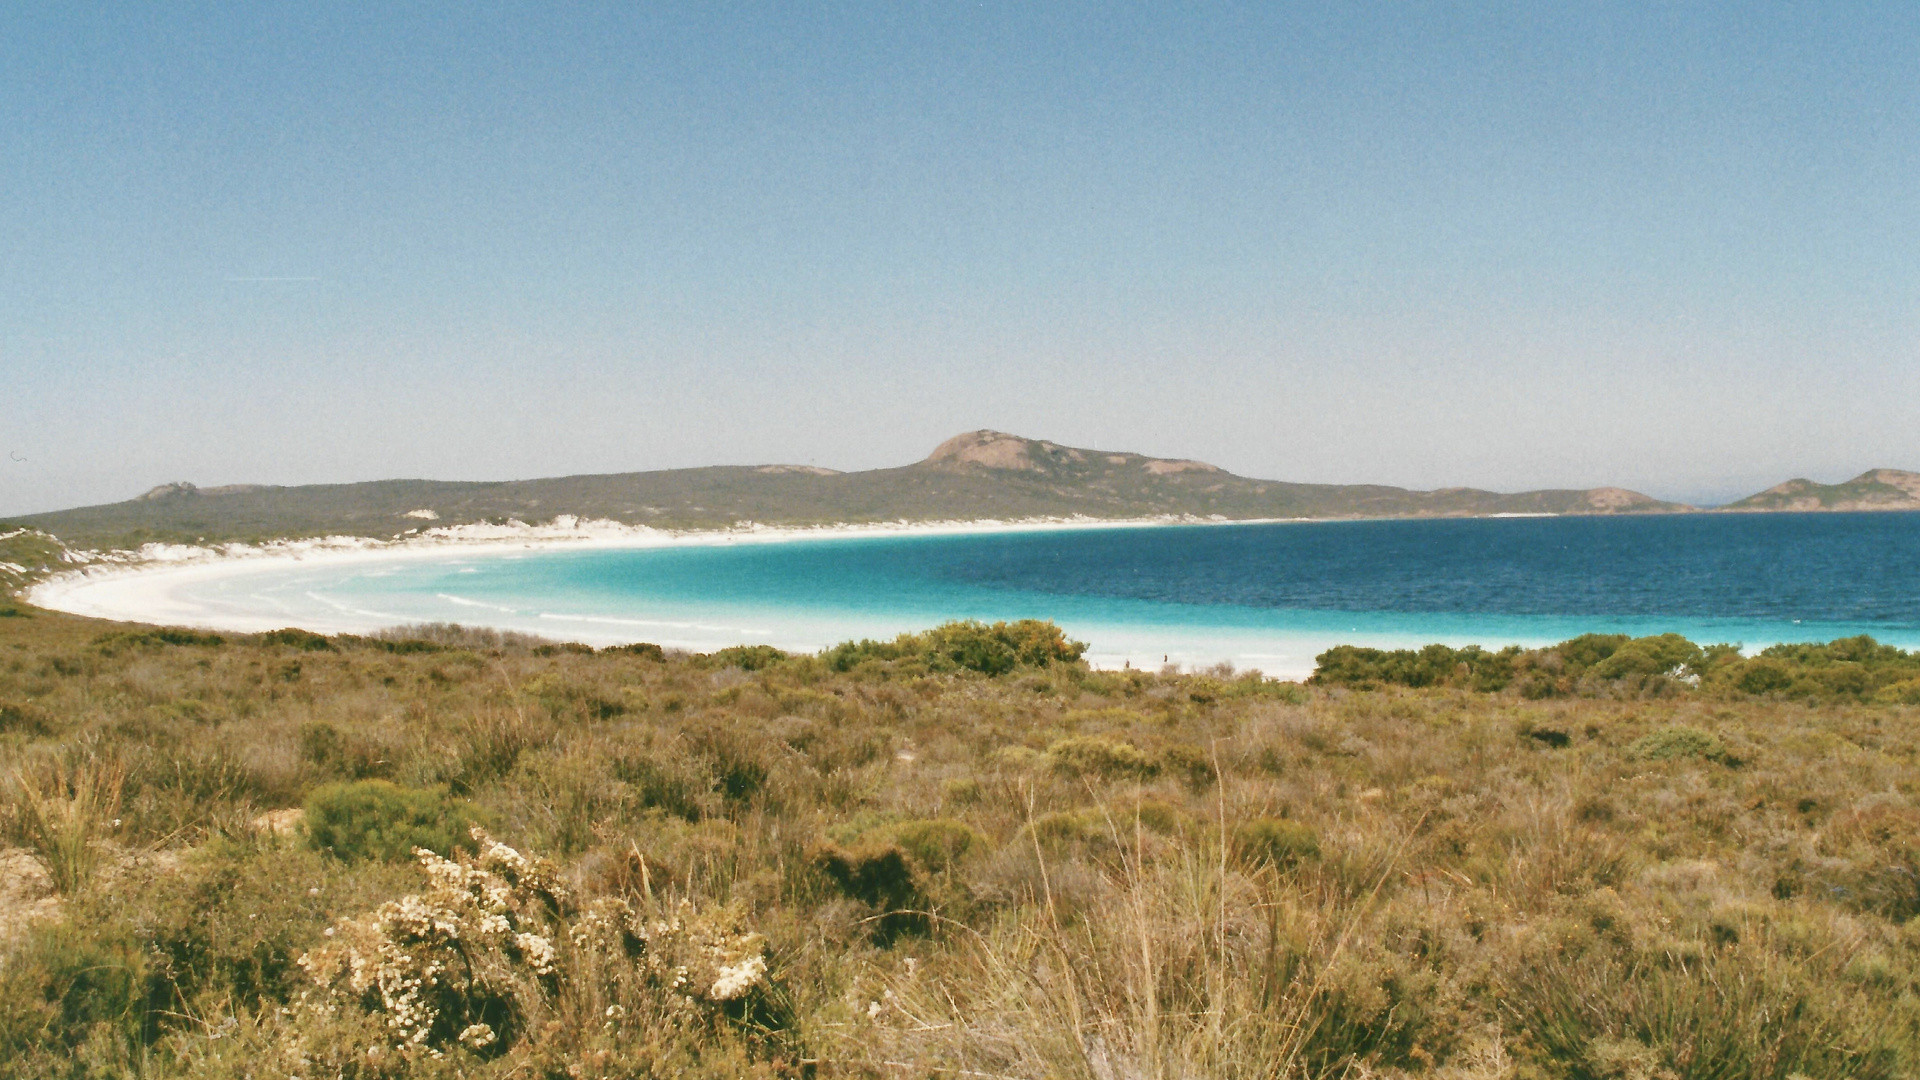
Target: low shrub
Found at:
1610, 665
747, 657
1722, 1015
1277, 842
1105, 758
157, 637
304, 640
1877, 851
233, 915
1679, 741
444, 965
938, 844
1650, 657
990, 649
379, 820
74, 999
23, 718
564, 648
337, 754
1435, 665
671, 782
880, 875
1192, 764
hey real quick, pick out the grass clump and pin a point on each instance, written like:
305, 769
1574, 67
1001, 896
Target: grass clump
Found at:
63, 812
380, 820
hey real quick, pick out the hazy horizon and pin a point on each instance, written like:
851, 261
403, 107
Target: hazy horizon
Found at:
1430, 246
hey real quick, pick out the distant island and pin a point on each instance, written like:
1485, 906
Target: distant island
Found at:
980, 475
1875, 489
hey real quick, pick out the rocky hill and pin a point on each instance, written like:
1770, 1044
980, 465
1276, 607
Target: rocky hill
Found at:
1875, 489
978, 475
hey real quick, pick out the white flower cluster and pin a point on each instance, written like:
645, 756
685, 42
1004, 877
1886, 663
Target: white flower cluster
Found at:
704, 955
453, 952
484, 941
732, 981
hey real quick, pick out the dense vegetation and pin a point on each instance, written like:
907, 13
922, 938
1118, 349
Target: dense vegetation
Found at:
1608, 859
1849, 669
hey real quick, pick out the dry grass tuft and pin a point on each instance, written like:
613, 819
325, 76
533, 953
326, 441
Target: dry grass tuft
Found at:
62, 813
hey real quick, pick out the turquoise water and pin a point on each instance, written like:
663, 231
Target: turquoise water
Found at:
1265, 596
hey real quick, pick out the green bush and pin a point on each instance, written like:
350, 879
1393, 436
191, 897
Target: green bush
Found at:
73, 987
1679, 741
26, 719
156, 638
1650, 657
334, 753
304, 640
1847, 669
882, 876
375, 819
748, 657
967, 646
563, 648
1601, 1014
1762, 675
1105, 758
1434, 665
1900, 693
1276, 842
939, 844
234, 917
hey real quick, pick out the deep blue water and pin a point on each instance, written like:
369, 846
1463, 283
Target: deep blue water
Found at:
1824, 567
1261, 595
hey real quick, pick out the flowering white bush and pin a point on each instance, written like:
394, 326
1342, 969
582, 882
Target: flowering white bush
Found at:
461, 962
445, 964
706, 957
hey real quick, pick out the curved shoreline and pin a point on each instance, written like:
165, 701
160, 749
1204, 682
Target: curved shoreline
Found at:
141, 586
255, 588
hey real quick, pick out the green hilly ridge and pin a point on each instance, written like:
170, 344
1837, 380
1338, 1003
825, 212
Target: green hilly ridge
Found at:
1876, 489
978, 475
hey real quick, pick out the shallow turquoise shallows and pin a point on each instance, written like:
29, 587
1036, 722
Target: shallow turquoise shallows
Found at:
1265, 596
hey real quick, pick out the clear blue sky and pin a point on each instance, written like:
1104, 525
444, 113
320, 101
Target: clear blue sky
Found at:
1669, 246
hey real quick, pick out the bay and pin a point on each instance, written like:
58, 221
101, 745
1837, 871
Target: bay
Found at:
1259, 595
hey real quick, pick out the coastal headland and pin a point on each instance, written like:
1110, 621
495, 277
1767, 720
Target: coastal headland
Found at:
976, 476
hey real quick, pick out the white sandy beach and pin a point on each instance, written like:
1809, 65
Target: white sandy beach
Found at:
162, 584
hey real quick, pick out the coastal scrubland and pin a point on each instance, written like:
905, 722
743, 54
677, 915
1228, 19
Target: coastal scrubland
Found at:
446, 852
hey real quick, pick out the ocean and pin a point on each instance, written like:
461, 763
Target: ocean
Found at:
1267, 596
